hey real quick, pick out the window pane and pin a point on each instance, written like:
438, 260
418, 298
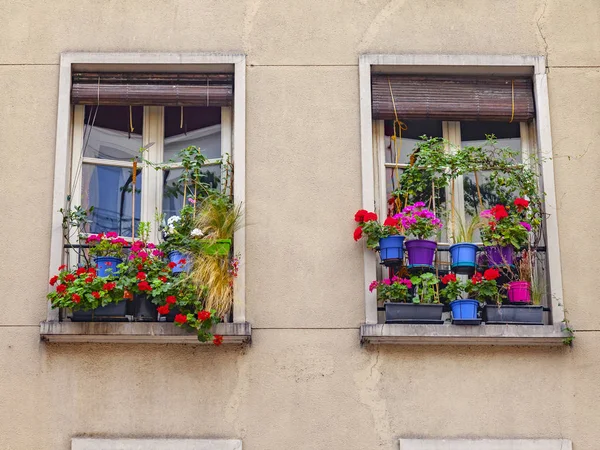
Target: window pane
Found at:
201, 127
408, 138
473, 134
107, 132
109, 190
173, 188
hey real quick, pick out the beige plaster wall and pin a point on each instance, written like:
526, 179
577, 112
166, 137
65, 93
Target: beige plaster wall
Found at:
305, 383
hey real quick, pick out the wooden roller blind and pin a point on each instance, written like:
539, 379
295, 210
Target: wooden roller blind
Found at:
452, 98
152, 89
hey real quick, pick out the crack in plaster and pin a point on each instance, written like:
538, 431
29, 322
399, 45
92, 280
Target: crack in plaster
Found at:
386, 12
367, 382
539, 27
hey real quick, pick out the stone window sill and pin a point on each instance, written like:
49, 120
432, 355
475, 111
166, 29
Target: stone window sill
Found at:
138, 333
485, 444
538, 335
155, 444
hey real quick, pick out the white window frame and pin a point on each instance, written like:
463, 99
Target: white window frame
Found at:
155, 444
449, 64
66, 139
485, 444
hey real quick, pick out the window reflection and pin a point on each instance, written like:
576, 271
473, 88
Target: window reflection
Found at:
107, 132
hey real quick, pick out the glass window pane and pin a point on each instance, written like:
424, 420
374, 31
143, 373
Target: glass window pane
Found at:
107, 132
473, 134
405, 143
109, 191
173, 187
201, 127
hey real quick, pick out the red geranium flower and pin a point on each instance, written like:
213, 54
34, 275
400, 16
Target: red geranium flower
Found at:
89, 279
204, 315
144, 286
109, 286
70, 278
171, 299
171, 265
92, 271
164, 310
521, 204
81, 271
499, 212
182, 262
61, 288
96, 294
53, 280
76, 298
370, 216
181, 318
140, 267
390, 222
448, 278
357, 233
141, 276
127, 294
218, 339
162, 278
476, 278
491, 274
63, 267
360, 215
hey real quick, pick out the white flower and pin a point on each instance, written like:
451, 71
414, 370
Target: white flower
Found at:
171, 229
173, 219
197, 232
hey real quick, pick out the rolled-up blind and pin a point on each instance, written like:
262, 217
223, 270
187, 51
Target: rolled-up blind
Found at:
452, 98
152, 89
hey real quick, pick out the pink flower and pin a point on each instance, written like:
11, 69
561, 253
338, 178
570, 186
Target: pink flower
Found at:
373, 286
157, 253
387, 282
112, 234
192, 200
526, 226
486, 214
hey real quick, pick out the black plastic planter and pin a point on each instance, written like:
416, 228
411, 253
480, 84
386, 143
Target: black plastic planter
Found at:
115, 312
513, 314
424, 313
143, 310
171, 316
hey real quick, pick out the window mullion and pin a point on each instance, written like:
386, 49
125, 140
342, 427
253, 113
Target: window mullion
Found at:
452, 134
152, 179
226, 119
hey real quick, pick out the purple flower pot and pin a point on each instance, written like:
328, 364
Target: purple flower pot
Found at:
500, 256
420, 252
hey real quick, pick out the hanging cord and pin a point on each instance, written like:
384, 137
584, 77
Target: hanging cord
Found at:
512, 114
133, 183
181, 119
397, 146
131, 129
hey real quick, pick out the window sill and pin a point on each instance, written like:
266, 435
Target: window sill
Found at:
138, 333
538, 335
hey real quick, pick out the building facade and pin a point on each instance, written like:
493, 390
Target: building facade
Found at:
302, 138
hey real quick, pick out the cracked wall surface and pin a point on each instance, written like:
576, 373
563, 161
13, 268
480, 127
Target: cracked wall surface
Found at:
305, 383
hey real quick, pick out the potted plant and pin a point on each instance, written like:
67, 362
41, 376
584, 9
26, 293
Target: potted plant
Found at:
218, 218
463, 309
409, 301
91, 297
519, 291
464, 253
421, 223
505, 229
387, 238
107, 251
181, 237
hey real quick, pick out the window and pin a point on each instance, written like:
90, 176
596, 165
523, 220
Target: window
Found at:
155, 444
162, 102
460, 99
485, 444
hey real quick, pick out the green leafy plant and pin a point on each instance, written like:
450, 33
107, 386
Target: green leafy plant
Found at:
507, 225
483, 287
425, 288
418, 221
393, 289
454, 288
466, 232
108, 244
217, 216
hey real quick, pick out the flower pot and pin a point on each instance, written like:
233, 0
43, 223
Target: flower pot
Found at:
413, 312
220, 247
421, 253
107, 265
513, 314
519, 292
464, 256
464, 309
113, 312
142, 309
500, 256
391, 248
176, 256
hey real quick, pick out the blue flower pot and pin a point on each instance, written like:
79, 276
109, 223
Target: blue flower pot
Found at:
107, 265
464, 309
391, 248
464, 255
176, 256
